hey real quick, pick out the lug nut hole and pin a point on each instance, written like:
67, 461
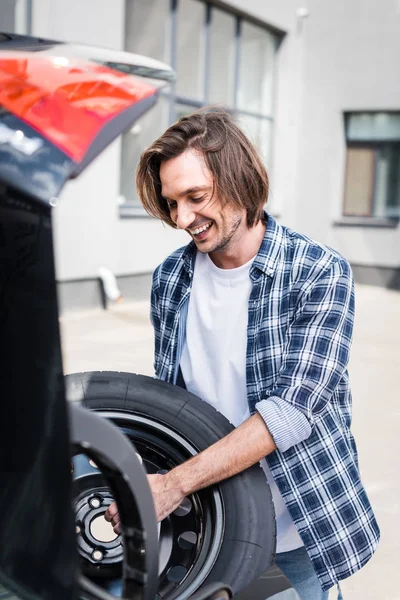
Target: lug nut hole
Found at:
95, 502
97, 555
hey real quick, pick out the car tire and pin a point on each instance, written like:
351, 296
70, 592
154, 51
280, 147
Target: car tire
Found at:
248, 535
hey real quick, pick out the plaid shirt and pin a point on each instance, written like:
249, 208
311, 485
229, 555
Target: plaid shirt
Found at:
300, 323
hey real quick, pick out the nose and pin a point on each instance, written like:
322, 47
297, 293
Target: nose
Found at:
185, 216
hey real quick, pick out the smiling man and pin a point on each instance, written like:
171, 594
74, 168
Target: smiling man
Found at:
257, 320
218, 229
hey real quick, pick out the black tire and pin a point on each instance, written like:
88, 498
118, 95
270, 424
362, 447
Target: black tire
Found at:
247, 545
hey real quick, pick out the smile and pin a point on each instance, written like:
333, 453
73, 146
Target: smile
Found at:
201, 229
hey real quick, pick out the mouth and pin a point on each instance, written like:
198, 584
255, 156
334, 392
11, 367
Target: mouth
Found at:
200, 233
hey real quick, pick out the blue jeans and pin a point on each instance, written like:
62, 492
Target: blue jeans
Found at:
297, 567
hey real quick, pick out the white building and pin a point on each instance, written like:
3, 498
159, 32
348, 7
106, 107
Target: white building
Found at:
315, 85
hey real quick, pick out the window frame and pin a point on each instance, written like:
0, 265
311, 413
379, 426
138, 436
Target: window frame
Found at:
180, 99
377, 146
130, 208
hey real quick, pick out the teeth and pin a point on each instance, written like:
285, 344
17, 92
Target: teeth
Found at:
201, 229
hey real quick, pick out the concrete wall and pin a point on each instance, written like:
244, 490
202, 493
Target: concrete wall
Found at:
347, 61
7, 15
96, 22
342, 56
15, 16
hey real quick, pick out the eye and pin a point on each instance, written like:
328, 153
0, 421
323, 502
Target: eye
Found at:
171, 204
198, 199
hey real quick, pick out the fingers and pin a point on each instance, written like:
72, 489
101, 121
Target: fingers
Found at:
117, 528
112, 516
111, 511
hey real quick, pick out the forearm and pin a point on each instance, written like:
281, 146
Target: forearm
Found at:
234, 453
240, 449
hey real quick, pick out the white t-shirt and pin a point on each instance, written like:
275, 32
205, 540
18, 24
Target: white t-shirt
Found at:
213, 361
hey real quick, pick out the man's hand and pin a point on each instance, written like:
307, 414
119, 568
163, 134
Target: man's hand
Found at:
237, 451
166, 496
112, 516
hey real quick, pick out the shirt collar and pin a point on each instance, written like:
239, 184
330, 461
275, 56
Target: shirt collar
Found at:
267, 257
188, 257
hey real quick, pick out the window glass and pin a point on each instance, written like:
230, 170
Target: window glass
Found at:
359, 184
373, 127
190, 49
256, 69
147, 28
258, 130
393, 200
372, 186
382, 165
222, 58
143, 133
182, 110
387, 186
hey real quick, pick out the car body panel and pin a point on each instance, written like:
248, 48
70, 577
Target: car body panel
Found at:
37, 537
29, 162
68, 101
127, 62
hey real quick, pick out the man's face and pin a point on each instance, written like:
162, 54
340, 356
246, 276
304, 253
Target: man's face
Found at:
187, 186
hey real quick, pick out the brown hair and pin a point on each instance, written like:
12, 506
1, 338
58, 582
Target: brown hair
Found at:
239, 176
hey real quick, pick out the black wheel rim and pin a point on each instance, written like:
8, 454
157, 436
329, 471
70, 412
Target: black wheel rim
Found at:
190, 538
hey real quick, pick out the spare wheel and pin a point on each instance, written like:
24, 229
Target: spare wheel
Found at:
222, 533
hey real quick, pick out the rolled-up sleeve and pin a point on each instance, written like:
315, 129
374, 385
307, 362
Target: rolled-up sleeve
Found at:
287, 425
315, 357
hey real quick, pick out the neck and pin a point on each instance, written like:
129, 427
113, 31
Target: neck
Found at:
244, 248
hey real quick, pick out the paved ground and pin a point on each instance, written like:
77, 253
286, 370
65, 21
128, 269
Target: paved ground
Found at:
121, 339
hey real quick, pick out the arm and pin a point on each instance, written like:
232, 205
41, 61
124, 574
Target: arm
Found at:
237, 451
240, 449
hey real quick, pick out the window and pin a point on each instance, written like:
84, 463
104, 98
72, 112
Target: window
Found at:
134, 142
219, 58
147, 32
221, 88
372, 183
258, 130
257, 51
190, 49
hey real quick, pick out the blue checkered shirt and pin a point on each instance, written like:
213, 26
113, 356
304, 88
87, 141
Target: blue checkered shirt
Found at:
300, 323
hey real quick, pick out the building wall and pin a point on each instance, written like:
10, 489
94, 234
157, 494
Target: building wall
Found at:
8, 15
349, 64
341, 57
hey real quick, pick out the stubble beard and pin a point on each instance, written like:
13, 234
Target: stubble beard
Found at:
223, 244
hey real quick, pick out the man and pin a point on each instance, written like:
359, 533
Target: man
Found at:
257, 320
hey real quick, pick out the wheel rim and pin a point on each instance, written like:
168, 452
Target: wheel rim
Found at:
190, 538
